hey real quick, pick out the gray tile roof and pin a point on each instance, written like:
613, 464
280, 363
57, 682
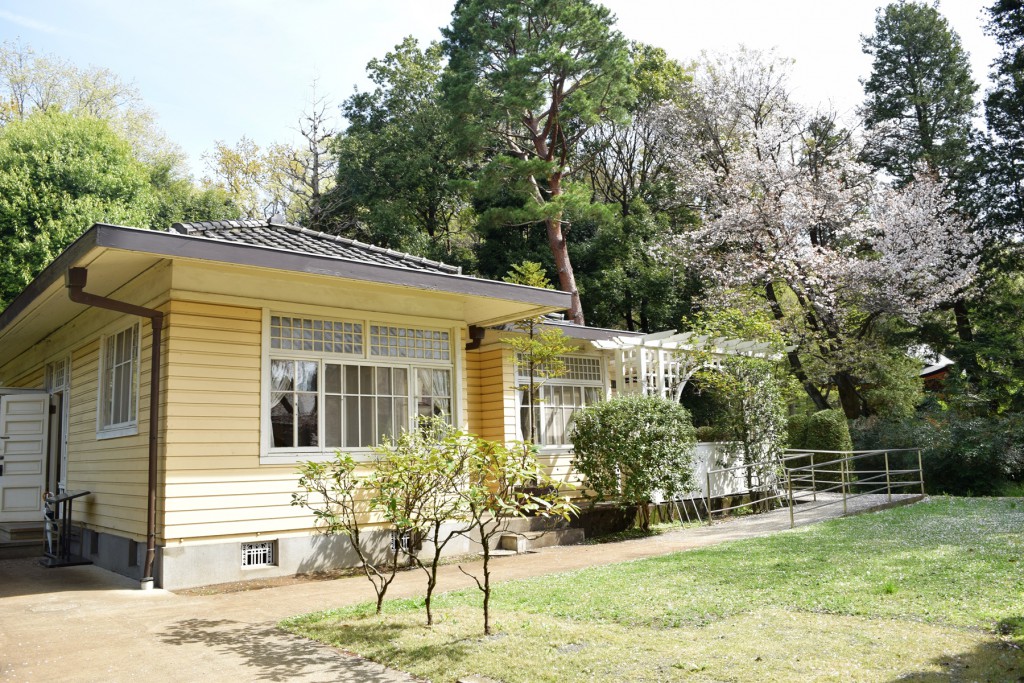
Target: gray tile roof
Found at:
297, 239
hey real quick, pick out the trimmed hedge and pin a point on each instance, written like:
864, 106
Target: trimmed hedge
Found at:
828, 430
796, 429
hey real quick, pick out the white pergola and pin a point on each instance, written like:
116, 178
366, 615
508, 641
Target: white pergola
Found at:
661, 363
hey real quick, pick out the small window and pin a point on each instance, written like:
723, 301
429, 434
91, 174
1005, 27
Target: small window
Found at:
119, 383
404, 342
308, 334
434, 393
258, 554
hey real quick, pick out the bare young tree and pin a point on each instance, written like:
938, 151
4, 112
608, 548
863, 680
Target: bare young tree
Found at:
310, 170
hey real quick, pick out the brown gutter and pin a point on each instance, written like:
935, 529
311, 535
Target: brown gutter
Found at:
476, 336
75, 282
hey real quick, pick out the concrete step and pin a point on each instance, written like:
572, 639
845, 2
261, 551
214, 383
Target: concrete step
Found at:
14, 532
14, 550
524, 541
526, 524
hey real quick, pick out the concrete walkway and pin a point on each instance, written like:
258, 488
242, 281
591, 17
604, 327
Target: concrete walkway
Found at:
86, 624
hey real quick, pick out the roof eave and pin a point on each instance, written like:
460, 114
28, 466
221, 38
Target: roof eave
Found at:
51, 274
172, 245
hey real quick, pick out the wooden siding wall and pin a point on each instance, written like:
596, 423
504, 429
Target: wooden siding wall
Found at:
115, 471
215, 484
492, 413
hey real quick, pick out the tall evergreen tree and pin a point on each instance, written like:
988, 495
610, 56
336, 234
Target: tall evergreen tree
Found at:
1004, 113
533, 76
920, 94
402, 175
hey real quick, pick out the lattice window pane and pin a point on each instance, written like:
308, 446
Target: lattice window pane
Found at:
57, 375
577, 369
405, 342
311, 334
582, 369
120, 378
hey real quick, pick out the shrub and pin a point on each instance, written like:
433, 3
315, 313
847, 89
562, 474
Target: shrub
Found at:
827, 430
961, 453
630, 446
796, 429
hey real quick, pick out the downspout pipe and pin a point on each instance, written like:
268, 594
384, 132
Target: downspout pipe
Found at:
476, 336
75, 283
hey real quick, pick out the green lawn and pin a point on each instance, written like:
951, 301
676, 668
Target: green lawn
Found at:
933, 591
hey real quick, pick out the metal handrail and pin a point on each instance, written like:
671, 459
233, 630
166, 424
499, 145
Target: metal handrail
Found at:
822, 477
846, 483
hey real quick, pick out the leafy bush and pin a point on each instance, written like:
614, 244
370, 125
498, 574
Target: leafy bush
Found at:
827, 430
644, 443
796, 429
707, 433
961, 453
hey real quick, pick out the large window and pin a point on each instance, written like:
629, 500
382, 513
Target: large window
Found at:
119, 384
329, 389
581, 385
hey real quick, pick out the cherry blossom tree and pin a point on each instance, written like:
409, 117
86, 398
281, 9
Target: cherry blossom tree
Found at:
833, 251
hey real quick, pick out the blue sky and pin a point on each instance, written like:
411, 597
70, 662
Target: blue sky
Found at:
220, 69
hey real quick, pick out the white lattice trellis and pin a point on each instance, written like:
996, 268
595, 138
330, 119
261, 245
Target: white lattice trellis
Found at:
662, 363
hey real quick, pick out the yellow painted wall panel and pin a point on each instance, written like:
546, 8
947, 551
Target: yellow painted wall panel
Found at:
216, 311
202, 360
114, 470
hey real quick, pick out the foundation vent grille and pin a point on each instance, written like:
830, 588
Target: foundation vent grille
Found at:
258, 554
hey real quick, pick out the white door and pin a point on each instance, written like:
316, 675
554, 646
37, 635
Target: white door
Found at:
24, 429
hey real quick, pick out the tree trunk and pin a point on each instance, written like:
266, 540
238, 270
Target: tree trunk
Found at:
560, 252
431, 582
566, 278
795, 365
487, 587
849, 397
965, 332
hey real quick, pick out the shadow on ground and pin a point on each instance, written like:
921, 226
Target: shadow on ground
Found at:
25, 576
998, 659
270, 654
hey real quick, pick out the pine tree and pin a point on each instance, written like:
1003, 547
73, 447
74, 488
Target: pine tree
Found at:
533, 76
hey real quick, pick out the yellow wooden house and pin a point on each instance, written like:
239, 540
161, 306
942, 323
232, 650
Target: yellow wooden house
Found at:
277, 344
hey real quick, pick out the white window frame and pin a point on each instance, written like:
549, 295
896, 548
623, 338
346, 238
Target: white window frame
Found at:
271, 455
129, 427
600, 384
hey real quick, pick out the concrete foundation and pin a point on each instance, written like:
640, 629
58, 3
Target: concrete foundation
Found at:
187, 565
202, 564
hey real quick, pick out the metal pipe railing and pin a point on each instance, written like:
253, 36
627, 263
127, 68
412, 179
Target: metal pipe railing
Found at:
851, 483
779, 481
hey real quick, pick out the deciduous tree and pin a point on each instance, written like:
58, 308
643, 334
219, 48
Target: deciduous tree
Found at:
59, 174
832, 252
